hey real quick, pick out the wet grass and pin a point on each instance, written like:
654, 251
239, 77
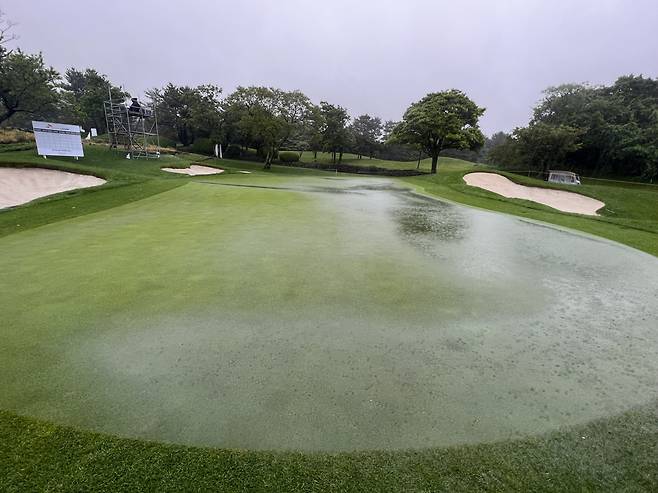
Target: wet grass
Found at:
365, 161
613, 454
616, 454
630, 215
127, 181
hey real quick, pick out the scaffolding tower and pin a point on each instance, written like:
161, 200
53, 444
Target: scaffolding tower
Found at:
133, 127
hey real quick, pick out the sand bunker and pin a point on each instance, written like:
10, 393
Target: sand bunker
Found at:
557, 199
194, 170
22, 185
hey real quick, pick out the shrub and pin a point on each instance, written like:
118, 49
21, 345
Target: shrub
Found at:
14, 136
288, 156
202, 145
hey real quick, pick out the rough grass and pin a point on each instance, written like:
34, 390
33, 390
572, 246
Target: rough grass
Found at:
15, 136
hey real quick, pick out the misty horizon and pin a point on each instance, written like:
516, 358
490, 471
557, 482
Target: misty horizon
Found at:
373, 57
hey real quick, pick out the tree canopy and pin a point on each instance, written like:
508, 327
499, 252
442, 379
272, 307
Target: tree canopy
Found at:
187, 112
269, 119
615, 130
366, 132
27, 85
84, 93
335, 134
441, 120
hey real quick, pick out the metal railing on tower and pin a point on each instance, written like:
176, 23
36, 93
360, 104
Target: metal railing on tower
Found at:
132, 127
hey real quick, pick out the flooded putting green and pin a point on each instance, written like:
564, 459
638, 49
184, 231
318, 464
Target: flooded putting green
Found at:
321, 314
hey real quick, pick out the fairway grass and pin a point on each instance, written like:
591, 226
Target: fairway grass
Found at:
144, 256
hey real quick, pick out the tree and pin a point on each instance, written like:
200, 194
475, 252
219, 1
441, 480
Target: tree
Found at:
439, 121
6, 35
335, 135
269, 119
366, 131
84, 93
544, 146
27, 86
490, 143
617, 124
313, 131
187, 112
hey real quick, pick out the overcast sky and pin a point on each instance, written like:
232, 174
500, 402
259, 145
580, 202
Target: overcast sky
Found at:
371, 56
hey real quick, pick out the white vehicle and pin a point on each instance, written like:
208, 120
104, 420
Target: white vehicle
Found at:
563, 177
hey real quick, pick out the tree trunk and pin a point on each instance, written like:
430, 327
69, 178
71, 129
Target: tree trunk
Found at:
435, 160
315, 155
8, 114
268, 160
420, 153
340, 157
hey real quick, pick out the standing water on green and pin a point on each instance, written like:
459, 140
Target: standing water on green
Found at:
321, 314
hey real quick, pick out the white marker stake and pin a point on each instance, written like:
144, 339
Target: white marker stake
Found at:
220, 152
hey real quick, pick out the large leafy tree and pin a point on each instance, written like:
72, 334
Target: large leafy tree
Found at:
312, 131
27, 86
269, 119
84, 93
618, 124
547, 146
367, 132
186, 112
335, 133
441, 120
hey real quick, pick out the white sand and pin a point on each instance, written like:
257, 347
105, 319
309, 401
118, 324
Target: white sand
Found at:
557, 199
194, 170
22, 185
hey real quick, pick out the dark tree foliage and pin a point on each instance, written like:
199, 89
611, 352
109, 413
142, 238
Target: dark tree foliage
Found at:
186, 112
335, 133
27, 86
441, 120
269, 119
83, 95
366, 134
596, 130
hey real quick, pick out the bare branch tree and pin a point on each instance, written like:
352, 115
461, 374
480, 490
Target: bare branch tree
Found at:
6, 36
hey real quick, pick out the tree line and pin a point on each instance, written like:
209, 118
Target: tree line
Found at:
594, 130
264, 119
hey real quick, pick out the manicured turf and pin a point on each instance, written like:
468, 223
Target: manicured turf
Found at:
353, 159
630, 215
166, 308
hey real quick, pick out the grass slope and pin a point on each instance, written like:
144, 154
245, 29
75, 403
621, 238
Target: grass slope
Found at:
614, 454
630, 215
128, 180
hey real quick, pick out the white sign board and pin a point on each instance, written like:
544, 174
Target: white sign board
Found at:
57, 139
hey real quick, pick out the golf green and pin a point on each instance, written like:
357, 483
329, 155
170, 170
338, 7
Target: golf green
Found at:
321, 314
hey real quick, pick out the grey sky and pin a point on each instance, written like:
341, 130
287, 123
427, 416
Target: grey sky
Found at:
371, 56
